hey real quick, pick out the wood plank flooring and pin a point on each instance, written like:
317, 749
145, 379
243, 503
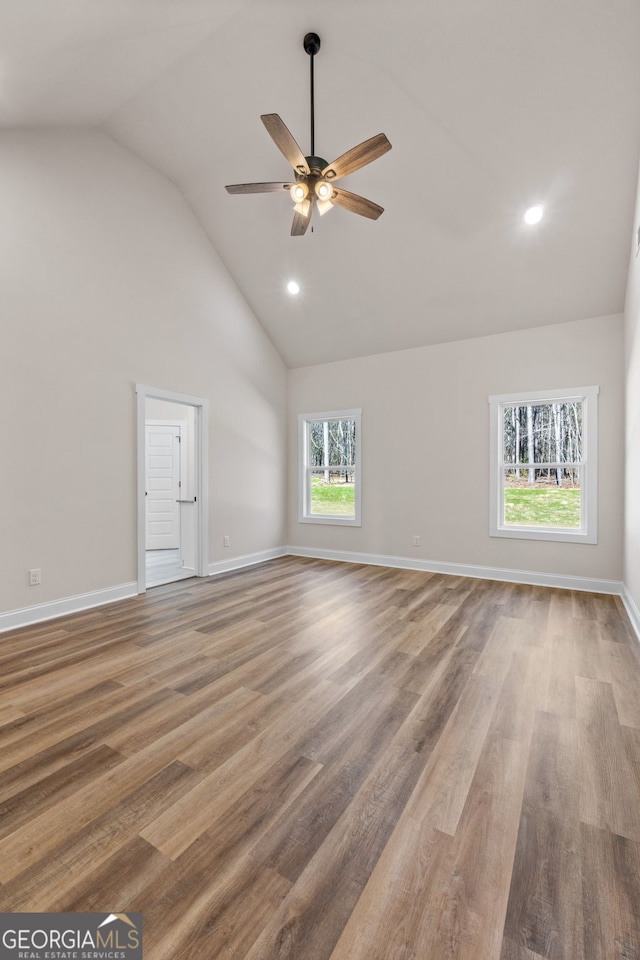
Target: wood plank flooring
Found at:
317, 761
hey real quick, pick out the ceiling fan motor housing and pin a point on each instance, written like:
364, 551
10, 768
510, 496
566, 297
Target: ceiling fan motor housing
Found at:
316, 165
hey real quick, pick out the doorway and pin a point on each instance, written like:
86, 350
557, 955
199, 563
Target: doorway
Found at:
172, 487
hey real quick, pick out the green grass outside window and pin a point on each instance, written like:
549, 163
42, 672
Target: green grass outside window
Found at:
546, 507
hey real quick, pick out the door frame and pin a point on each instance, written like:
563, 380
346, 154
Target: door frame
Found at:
201, 439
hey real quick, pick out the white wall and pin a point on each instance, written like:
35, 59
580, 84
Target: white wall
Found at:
632, 485
426, 445
108, 280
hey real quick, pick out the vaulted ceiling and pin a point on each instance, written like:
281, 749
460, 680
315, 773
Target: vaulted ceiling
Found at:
491, 106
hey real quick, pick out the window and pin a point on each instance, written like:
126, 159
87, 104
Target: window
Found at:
330, 467
544, 465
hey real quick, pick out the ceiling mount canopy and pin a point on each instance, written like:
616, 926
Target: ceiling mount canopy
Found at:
314, 178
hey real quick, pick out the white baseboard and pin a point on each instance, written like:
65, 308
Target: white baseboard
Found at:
465, 570
632, 610
14, 619
60, 608
248, 560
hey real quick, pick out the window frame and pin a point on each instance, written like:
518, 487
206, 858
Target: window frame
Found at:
305, 469
588, 531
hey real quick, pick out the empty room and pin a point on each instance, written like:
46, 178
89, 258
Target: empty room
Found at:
320, 536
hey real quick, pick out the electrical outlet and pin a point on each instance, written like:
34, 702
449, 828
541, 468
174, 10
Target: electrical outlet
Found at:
416, 541
35, 577
226, 541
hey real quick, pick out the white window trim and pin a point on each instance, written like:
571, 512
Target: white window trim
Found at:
588, 532
304, 515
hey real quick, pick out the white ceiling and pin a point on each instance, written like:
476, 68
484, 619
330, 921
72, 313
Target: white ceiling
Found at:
491, 105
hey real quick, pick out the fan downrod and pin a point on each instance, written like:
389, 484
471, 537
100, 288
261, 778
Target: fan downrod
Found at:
311, 44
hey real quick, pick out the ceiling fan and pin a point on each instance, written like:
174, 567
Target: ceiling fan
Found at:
313, 177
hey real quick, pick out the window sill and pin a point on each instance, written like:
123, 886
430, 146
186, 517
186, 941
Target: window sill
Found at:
335, 521
550, 534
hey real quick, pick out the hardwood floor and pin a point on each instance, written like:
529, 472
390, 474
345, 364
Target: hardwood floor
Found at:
319, 761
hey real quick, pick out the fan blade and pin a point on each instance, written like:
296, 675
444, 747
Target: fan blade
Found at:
357, 157
300, 224
257, 187
285, 143
356, 204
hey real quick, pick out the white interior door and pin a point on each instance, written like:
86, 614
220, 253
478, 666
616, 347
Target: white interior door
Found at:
195, 476
162, 487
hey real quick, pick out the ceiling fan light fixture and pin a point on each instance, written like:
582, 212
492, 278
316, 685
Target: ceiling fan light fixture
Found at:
303, 208
323, 206
324, 190
299, 192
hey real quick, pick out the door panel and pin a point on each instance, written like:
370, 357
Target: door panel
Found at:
162, 459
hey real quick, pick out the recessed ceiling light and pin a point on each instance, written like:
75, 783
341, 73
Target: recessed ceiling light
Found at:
293, 287
534, 214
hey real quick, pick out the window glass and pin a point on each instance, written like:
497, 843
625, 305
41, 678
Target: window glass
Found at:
544, 437
544, 465
329, 467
